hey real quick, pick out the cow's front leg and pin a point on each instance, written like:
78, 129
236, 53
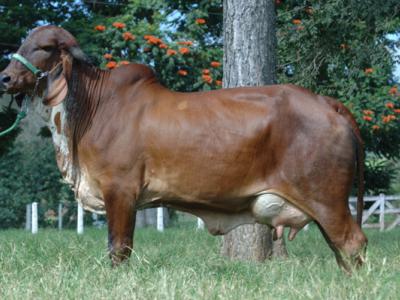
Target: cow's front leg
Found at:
121, 216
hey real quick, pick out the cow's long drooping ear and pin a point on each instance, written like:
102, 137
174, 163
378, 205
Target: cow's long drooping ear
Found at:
78, 54
57, 87
67, 43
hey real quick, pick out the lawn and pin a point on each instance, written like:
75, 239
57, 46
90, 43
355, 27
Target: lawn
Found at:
183, 263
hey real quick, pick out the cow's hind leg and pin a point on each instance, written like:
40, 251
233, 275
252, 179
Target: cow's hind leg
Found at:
121, 216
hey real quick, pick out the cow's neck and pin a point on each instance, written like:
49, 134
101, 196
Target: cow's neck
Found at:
86, 94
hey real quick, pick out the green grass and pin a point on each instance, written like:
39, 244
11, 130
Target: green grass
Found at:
183, 263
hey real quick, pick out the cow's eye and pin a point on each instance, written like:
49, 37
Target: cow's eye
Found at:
47, 48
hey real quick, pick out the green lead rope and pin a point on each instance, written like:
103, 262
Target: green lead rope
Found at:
21, 115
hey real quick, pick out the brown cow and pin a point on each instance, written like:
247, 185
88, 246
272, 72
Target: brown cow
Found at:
278, 155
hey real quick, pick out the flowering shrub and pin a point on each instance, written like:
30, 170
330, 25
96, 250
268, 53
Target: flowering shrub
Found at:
181, 60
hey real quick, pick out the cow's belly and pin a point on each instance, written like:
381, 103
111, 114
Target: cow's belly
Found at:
268, 207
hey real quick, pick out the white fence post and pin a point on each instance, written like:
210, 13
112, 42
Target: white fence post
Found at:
28, 219
34, 225
79, 223
160, 218
60, 217
381, 212
200, 223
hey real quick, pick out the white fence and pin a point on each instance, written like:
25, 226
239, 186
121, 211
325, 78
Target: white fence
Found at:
31, 223
383, 213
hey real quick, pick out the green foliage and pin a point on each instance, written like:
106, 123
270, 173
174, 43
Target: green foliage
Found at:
147, 33
28, 175
341, 48
379, 175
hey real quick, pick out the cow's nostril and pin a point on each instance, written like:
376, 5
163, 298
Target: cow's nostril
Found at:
5, 78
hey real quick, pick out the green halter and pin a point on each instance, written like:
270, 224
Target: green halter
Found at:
39, 75
26, 63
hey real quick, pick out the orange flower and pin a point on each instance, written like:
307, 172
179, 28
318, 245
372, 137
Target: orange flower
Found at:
182, 72
100, 28
108, 56
207, 78
368, 71
111, 65
124, 62
151, 39
367, 118
215, 64
127, 36
218, 82
206, 71
375, 127
118, 25
368, 112
147, 49
397, 111
184, 50
163, 46
393, 90
200, 21
171, 52
296, 22
186, 43
387, 119
389, 105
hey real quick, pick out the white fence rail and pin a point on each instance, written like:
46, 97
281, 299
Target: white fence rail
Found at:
383, 213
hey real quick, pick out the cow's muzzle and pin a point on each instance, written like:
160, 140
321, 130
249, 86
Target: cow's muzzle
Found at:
4, 81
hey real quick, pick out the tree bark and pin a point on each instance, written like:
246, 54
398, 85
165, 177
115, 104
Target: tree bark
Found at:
250, 60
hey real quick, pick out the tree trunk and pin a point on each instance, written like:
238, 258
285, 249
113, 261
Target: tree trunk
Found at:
250, 60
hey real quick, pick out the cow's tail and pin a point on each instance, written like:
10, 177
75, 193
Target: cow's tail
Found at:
343, 110
360, 175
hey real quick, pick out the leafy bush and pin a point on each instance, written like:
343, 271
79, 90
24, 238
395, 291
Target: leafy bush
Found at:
30, 174
185, 60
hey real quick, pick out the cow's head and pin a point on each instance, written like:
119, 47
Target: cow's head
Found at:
48, 49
